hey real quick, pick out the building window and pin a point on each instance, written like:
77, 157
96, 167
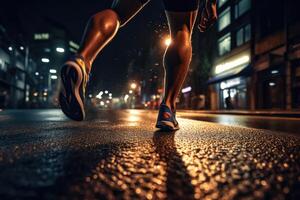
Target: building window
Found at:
224, 19
224, 44
243, 35
240, 37
3, 65
247, 32
241, 7
221, 2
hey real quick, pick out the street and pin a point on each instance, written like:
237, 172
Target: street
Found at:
118, 154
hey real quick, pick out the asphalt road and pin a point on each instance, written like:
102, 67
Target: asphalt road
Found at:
119, 155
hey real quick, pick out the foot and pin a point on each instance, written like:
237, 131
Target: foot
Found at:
74, 80
167, 119
208, 15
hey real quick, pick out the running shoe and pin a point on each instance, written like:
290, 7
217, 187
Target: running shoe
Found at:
167, 119
72, 95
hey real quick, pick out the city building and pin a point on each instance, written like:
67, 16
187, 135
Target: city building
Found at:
31, 53
50, 44
231, 77
257, 66
277, 54
17, 82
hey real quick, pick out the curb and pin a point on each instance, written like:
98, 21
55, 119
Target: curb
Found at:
252, 113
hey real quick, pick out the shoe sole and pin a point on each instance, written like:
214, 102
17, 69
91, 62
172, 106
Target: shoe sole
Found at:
70, 100
166, 126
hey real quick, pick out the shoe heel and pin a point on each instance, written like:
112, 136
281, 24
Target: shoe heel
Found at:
72, 103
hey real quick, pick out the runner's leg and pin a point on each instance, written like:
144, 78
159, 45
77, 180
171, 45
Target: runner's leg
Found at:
178, 55
103, 26
100, 30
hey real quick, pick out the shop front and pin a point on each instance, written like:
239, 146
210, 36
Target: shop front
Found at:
233, 94
230, 83
271, 88
296, 86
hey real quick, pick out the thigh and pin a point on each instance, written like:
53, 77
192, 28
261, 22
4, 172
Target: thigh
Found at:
127, 9
181, 5
179, 21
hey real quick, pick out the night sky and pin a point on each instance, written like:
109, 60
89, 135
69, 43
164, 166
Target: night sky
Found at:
110, 68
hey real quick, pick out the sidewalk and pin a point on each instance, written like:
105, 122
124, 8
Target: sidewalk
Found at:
270, 113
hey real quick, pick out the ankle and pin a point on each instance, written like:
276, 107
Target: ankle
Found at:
169, 104
86, 63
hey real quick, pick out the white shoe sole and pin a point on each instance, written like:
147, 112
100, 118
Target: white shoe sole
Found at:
72, 79
167, 126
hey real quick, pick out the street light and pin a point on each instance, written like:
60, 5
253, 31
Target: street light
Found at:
272, 84
99, 96
130, 91
133, 86
60, 50
186, 90
45, 60
168, 41
126, 97
54, 77
52, 71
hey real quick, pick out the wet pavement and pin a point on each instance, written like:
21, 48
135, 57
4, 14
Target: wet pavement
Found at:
119, 155
283, 124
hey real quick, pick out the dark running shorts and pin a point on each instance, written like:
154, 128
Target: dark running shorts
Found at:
181, 5
178, 5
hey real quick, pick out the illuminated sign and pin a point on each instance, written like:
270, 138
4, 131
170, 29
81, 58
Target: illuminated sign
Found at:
41, 36
74, 45
242, 60
73, 50
230, 83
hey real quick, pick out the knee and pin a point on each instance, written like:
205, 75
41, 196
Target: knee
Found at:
107, 22
180, 50
182, 39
